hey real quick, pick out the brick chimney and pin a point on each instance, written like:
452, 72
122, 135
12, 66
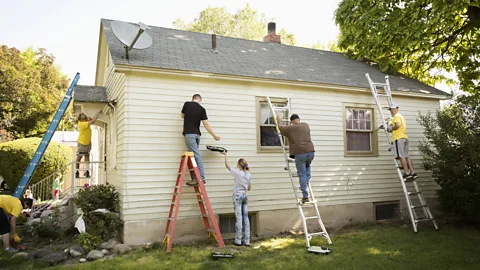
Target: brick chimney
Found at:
272, 36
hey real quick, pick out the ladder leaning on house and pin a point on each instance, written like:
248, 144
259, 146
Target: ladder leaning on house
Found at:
297, 189
414, 216
42, 147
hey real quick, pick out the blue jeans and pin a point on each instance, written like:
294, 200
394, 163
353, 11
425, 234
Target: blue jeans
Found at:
192, 141
240, 206
303, 162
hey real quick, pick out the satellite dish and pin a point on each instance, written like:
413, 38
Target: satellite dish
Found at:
132, 36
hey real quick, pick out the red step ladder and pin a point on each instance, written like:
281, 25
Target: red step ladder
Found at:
188, 161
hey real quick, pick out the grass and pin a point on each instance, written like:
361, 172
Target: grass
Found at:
365, 247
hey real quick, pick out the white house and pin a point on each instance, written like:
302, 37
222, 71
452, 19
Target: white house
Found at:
353, 174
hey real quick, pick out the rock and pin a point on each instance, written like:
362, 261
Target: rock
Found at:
32, 220
82, 260
39, 253
104, 251
46, 213
109, 245
121, 248
76, 251
94, 255
21, 255
54, 258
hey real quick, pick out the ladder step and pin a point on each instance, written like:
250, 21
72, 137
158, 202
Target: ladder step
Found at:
382, 95
414, 193
314, 217
380, 84
419, 206
422, 220
291, 160
317, 233
211, 230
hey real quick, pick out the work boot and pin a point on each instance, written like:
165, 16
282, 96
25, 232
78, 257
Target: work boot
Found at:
10, 250
305, 200
192, 183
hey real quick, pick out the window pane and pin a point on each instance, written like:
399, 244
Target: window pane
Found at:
356, 124
348, 119
355, 114
369, 125
269, 137
368, 115
265, 114
359, 141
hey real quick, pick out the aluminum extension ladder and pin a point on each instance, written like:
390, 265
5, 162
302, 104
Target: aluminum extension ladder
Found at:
297, 189
42, 147
385, 92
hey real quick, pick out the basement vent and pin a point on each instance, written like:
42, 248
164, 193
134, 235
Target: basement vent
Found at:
386, 210
227, 224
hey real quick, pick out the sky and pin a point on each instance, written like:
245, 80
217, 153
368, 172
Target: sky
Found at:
70, 29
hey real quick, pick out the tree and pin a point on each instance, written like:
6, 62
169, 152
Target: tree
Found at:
247, 23
31, 88
331, 46
415, 37
451, 150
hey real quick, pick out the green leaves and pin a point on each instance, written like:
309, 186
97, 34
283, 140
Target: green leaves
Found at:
451, 150
414, 37
247, 23
30, 90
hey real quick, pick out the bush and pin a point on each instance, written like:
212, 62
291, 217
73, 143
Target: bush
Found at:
45, 228
16, 155
105, 226
97, 197
452, 152
89, 241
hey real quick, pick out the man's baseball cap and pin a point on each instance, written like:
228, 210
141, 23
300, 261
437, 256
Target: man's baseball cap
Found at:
393, 106
294, 116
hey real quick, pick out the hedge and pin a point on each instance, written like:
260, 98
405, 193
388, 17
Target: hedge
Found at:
16, 155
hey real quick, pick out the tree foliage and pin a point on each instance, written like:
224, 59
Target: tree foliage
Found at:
451, 151
247, 23
415, 37
31, 87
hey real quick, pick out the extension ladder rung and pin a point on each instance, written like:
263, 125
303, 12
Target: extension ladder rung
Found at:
314, 217
422, 220
383, 95
316, 233
380, 84
418, 206
414, 193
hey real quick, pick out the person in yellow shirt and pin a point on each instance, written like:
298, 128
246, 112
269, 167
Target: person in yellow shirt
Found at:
10, 209
400, 142
84, 141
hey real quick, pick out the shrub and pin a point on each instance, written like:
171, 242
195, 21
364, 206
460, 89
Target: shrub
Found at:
89, 241
105, 226
16, 155
97, 197
45, 228
452, 152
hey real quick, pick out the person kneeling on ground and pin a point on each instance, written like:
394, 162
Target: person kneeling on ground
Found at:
241, 185
13, 207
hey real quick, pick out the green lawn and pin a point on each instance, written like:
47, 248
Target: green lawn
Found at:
368, 247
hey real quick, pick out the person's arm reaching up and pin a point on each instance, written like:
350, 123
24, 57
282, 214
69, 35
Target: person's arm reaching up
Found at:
226, 161
94, 118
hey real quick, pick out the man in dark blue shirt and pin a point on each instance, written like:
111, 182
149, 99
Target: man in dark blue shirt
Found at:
193, 113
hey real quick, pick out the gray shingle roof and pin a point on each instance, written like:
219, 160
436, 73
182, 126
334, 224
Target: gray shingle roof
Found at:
94, 94
183, 50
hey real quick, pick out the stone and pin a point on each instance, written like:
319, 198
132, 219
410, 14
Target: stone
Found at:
82, 260
21, 255
54, 258
109, 245
104, 251
46, 213
122, 248
39, 253
76, 251
94, 255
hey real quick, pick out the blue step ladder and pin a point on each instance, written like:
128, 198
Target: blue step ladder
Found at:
37, 157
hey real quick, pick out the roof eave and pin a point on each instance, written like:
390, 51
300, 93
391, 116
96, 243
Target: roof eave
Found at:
153, 70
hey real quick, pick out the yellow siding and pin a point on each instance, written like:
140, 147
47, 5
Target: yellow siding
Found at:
150, 144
